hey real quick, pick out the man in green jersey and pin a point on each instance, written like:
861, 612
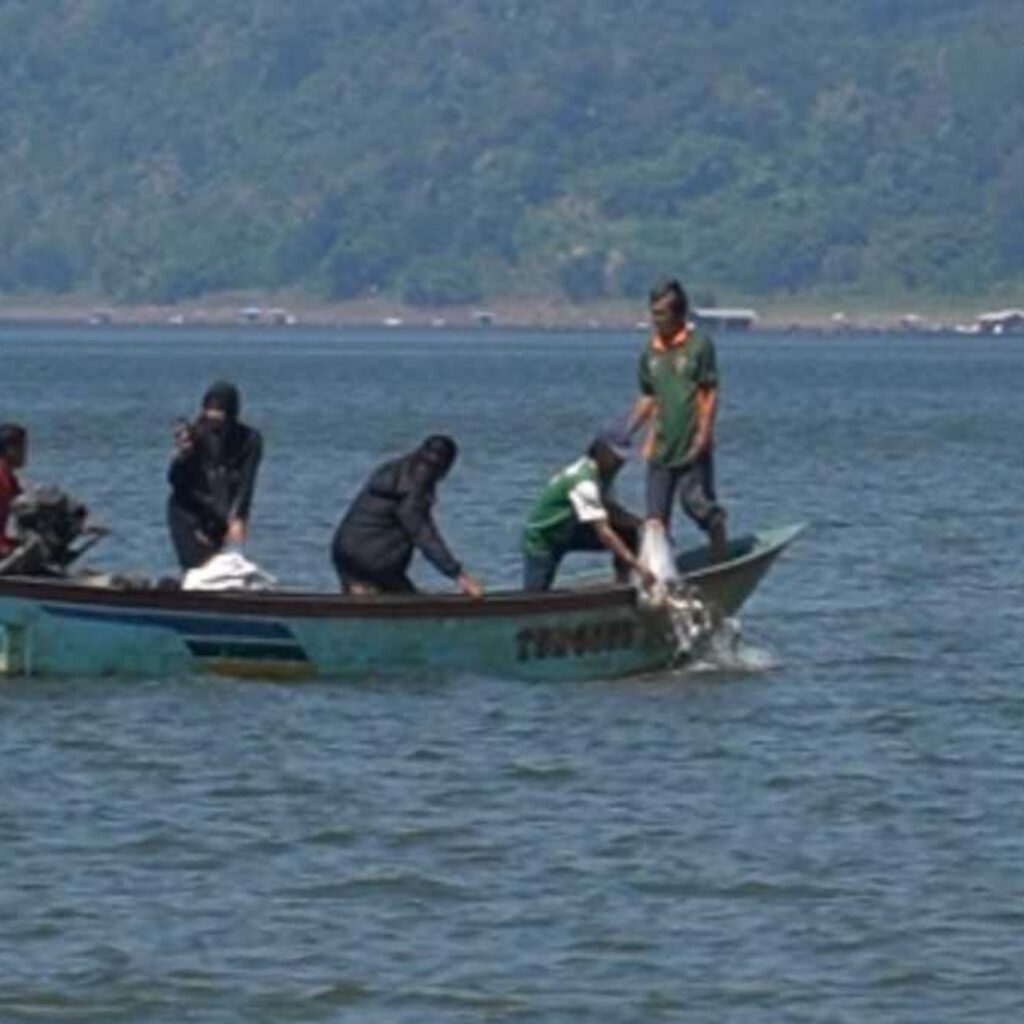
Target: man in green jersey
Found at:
679, 396
575, 513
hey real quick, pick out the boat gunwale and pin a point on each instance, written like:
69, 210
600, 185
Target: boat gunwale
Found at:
322, 605
319, 605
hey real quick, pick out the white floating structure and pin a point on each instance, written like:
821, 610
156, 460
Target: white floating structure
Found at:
1003, 321
726, 319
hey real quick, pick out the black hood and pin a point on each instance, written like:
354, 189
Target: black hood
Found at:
223, 395
439, 452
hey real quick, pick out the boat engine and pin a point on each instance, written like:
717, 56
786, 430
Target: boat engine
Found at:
47, 524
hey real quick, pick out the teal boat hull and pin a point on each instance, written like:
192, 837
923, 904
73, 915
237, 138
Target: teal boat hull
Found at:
60, 628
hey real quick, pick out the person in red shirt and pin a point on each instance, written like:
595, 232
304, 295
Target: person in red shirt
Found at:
13, 453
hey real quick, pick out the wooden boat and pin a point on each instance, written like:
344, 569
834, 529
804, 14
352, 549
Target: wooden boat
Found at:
66, 628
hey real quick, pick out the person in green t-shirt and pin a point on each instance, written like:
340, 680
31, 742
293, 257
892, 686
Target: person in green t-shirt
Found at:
678, 381
576, 512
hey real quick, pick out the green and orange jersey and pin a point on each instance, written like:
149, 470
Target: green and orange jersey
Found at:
680, 375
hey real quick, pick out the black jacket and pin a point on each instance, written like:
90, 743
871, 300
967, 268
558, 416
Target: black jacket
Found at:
391, 517
216, 479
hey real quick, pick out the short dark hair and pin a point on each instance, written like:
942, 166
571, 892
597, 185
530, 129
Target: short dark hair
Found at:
11, 435
670, 286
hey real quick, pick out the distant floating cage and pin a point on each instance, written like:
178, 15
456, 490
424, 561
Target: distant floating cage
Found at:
725, 319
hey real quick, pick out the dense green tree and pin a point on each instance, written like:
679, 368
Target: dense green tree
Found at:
444, 150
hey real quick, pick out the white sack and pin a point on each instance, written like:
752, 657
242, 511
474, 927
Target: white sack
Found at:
230, 570
656, 554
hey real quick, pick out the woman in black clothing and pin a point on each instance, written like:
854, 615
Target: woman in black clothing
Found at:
391, 518
212, 477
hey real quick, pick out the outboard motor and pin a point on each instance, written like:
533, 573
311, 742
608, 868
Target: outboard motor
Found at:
47, 524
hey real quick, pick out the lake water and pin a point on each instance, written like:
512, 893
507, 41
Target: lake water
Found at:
830, 829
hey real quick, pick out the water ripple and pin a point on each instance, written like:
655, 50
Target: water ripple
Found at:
833, 835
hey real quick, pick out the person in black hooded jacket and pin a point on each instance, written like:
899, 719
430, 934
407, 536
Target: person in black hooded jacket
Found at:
391, 518
212, 478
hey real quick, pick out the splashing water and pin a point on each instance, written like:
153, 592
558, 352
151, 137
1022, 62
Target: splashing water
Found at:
724, 649
706, 642
690, 618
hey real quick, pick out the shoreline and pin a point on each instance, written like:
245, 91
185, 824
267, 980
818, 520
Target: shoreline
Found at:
277, 310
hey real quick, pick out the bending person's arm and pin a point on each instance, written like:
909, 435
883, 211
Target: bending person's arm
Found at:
622, 551
590, 510
415, 515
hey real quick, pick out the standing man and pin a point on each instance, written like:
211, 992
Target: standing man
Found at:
679, 396
576, 512
212, 477
13, 454
391, 518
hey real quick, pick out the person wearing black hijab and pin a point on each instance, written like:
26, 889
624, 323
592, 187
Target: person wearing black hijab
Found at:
212, 477
391, 518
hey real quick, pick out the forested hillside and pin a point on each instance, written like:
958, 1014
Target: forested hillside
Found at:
445, 150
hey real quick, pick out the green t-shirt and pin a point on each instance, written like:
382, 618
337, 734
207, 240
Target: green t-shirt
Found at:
572, 496
673, 376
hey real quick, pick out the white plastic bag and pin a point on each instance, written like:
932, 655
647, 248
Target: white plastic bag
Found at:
230, 570
656, 555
